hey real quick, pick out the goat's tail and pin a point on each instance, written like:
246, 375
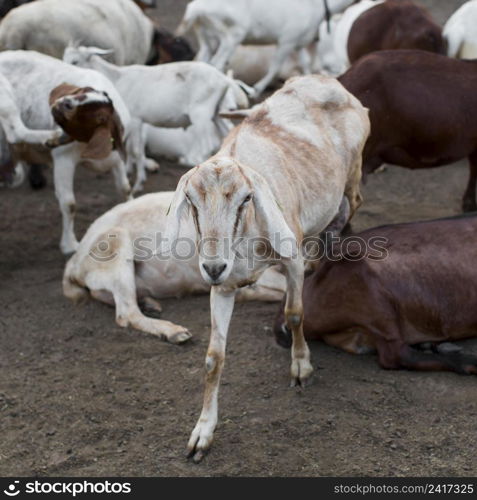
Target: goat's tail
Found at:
71, 289
188, 21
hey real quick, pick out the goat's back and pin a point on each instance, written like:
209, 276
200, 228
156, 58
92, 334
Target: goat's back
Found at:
306, 141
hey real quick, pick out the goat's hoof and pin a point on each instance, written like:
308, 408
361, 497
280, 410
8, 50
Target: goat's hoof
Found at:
197, 456
152, 166
199, 443
139, 188
301, 371
180, 337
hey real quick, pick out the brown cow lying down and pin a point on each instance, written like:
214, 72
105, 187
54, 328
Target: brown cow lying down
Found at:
87, 115
422, 110
405, 285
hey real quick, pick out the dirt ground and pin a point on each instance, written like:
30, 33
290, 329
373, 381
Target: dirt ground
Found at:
81, 396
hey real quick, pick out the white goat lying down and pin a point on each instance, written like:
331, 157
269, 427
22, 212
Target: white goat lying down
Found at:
115, 263
290, 24
285, 174
460, 33
50, 25
181, 94
27, 70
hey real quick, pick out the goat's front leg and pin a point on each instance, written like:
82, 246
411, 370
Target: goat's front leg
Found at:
301, 367
204, 53
229, 41
63, 175
121, 179
304, 59
280, 56
221, 306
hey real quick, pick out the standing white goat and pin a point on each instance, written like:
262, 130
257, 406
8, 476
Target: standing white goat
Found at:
27, 70
290, 24
181, 94
281, 176
460, 33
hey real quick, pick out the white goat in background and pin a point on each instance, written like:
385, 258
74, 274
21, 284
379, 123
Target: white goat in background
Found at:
290, 24
460, 32
283, 175
50, 25
181, 94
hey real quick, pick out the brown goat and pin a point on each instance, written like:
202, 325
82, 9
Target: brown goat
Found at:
394, 24
395, 288
422, 109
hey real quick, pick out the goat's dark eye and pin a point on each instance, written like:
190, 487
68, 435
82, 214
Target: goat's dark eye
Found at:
247, 199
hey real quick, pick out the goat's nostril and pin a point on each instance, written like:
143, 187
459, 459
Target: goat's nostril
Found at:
214, 270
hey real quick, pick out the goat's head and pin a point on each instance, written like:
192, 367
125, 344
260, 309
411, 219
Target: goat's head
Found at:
232, 207
88, 115
81, 56
166, 47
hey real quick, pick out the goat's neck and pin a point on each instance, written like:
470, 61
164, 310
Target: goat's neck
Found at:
108, 69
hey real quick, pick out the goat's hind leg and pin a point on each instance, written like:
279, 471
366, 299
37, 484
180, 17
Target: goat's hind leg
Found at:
301, 368
111, 270
413, 359
230, 39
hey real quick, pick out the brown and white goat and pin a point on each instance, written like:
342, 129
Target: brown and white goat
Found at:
281, 176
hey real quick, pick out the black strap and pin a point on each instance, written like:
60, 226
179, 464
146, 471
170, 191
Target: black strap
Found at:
327, 15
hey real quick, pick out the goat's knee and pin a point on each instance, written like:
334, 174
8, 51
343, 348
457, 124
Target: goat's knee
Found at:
294, 318
213, 364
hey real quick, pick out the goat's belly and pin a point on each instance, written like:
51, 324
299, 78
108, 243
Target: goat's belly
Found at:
166, 120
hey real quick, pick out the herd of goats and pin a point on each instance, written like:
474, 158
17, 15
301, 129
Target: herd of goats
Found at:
273, 184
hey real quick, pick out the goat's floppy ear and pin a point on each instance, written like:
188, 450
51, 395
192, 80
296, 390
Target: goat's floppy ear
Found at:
117, 134
60, 91
281, 237
105, 138
100, 145
175, 213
